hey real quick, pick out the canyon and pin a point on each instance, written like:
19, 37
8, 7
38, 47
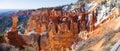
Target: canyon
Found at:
91, 27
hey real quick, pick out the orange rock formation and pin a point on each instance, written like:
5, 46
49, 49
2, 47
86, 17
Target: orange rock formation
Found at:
14, 22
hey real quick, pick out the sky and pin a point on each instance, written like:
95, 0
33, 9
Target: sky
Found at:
32, 4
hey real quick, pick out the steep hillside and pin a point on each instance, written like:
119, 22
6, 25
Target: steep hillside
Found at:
103, 40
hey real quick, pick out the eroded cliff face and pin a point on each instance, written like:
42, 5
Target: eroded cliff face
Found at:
58, 30
14, 23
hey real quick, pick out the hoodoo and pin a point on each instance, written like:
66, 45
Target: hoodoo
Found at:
74, 27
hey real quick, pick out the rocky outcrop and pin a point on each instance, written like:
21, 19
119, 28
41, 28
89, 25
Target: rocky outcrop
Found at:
7, 47
102, 40
64, 29
15, 39
14, 23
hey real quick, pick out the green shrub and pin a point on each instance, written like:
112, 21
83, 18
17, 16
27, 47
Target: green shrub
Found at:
1, 38
103, 2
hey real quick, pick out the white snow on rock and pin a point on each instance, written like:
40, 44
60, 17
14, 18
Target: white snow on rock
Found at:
87, 6
31, 32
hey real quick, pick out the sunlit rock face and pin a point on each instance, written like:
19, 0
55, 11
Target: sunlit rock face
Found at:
31, 24
59, 30
37, 22
60, 34
14, 22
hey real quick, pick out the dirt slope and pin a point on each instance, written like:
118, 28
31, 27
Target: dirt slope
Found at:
103, 38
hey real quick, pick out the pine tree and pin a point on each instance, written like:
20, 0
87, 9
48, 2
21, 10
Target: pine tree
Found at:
80, 2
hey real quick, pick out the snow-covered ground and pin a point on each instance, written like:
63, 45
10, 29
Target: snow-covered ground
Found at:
106, 11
